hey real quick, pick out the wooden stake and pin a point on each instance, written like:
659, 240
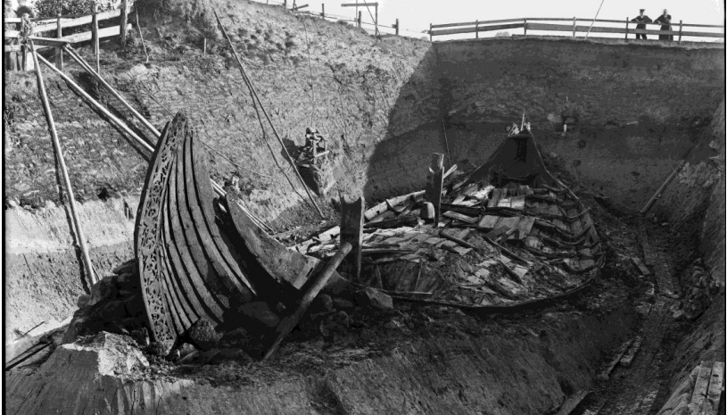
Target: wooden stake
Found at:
94, 37
288, 323
59, 50
141, 35
397, 27
72, 53
323, 10
359, 20
376, 18
525, 27
434, 185
680, 32
124, 21
574, 26
204, 47
352, 215
430, 32
80, 239
477, 29
626, 36
256, 98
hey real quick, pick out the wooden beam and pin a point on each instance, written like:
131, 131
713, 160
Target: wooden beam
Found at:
124, 21
434, 185
714, 393
478, 28
83, 20
352, 216
358, 4
78, 231
661, 188
95, 38
59, 49
288, 323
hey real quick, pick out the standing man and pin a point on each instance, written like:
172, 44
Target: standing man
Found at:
641, 20
665, 20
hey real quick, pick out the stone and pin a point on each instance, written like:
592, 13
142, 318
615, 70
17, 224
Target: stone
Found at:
103, 290
127, 267
83, 301
114, 354
185, 349
203, 335
371, 297
259, 313
141, 336
335, 324
343, 304
155, 349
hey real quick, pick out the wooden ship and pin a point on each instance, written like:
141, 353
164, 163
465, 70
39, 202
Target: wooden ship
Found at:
510, 235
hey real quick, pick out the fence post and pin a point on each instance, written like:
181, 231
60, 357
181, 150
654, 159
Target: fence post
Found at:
397, 27
204, 47
626, 36
430, 32
525, 26
323, 10
680, 32
24, 49
285, 4
376, 18
94, 37
574, 26
477, 36
59, 49
359, 20
124, 20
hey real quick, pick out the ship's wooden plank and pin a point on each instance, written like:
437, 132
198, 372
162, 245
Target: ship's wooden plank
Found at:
219, 279
517, 203
219, 251
281, 263
701, 386
640, 265
716, 383
525, 226
186, 311
352, 210
572, 402
488, 222
604, 374
196, 271
460, 217
630, 354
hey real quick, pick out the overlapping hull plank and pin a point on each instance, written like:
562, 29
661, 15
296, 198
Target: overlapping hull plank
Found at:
188, 269
280, 263
517, 237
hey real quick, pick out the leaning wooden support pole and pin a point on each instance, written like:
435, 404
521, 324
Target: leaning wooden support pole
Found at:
143, 44
80, 238
76, 57
249, 84
96, 105
658, 193
352, 214
287, 325
434, 185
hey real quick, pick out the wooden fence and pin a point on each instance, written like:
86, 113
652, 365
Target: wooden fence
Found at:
573, 27
48, 33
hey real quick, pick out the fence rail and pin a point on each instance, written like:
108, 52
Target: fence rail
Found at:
535, 24
55, 39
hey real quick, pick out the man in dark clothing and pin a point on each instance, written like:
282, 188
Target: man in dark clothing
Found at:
665, 21
641, 20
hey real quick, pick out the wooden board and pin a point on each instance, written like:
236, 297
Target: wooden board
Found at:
640, 265
716, 382
352, 232
460, 217
628, 357
488, 222
701, 386
434, 185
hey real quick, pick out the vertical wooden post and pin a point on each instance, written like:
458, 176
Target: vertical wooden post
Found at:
27, 62
397, 27
574, 26
359, 19
352, 215
124, 21
59, 49
433, 193
323, 10
376, 18
430, 32
204, 47
141, 35
680, 31
94, 37
525, 26
626, 36
477, 29
285, 4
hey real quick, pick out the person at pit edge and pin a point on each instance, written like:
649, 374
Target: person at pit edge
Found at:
665, 21
642, 19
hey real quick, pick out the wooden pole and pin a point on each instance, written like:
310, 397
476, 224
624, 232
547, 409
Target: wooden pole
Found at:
95, 104
661, 188
594, 19
446, 143
477, 29
285, 4
288, 323
141, 35
359, 20
352, 217
397, 27
255, 97
124, 21
434, 185
574, 26
94, 36
626, 36
81, 240
680, 32
204, 47
430, 32
72, 53
525, 27
59, 50
323, 10
376, 18
24, 47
